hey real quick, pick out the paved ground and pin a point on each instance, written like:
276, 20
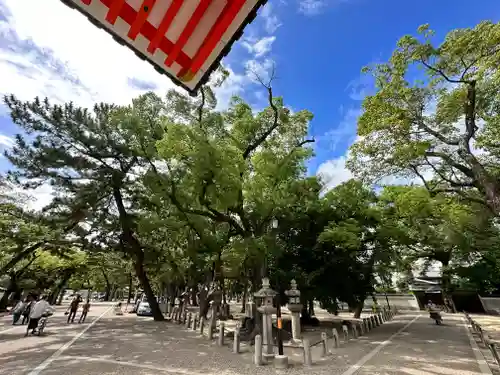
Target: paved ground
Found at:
124, 345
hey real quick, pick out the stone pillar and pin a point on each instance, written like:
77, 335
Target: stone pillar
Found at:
336, 341
295, 308
258, 351
354, 331
236, 342
195, 322
267, 310
213, 316
324, 344
267, 336
307, 352
220, 339
345, 332
202, 325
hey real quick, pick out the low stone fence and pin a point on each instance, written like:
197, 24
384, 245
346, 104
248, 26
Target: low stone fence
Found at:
486, 339
328, 341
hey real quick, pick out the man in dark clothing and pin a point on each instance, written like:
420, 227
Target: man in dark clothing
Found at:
27, 310
73, 308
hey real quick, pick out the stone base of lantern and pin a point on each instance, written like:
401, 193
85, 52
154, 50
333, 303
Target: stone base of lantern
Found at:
281, 362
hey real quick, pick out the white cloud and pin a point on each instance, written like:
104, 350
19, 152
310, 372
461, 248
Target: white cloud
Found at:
334, 172
315, 7
66, 58
312, 7
272, 22
262, 69
63, 56
259, 47
344, 132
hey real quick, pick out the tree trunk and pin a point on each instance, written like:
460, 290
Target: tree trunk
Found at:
11, 288
358, 309
311, 307
194, 299
245, 297
60, 297
60, 287
135, 249
129, 297
146, 286
107, 293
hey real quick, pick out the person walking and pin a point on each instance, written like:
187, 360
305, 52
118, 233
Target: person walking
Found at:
38, 309
73, 308
17, 312
27, 309
85, 310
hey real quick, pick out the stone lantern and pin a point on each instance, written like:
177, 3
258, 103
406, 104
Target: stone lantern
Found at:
295, 308
267, 309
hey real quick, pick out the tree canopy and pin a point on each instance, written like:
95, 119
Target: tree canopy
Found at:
171, 195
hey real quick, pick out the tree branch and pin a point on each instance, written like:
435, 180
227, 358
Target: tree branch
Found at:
441, 73
275, 123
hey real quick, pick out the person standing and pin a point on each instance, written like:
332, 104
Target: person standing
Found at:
73, 308
85, 310
27, 309
38, 309
17, 311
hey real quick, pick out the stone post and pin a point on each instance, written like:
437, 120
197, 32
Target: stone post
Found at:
345, 331
281, 362
210, 333
202, 325
324, 344
307, 352
236, 342
220, 339
267, 310
188, 321
336, 341
354, 331
258, 351
295, 308
195, 322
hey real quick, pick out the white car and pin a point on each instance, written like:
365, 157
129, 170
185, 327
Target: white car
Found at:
144, 309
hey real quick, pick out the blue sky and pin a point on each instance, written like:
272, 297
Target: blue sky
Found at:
317, 47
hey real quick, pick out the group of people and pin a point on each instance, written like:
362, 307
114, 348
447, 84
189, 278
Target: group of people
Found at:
73, 309
31, 309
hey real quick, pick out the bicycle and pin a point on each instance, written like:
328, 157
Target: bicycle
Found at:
42, 323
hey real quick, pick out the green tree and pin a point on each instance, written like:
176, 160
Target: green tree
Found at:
461, 236
436, 124
93, 158
231, 168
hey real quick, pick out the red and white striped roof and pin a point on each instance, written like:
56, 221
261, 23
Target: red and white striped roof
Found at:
183, 38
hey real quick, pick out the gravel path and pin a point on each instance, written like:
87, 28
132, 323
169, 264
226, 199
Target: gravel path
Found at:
129, 345
424, 348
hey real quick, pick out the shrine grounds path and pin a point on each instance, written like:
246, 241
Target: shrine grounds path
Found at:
107, 344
